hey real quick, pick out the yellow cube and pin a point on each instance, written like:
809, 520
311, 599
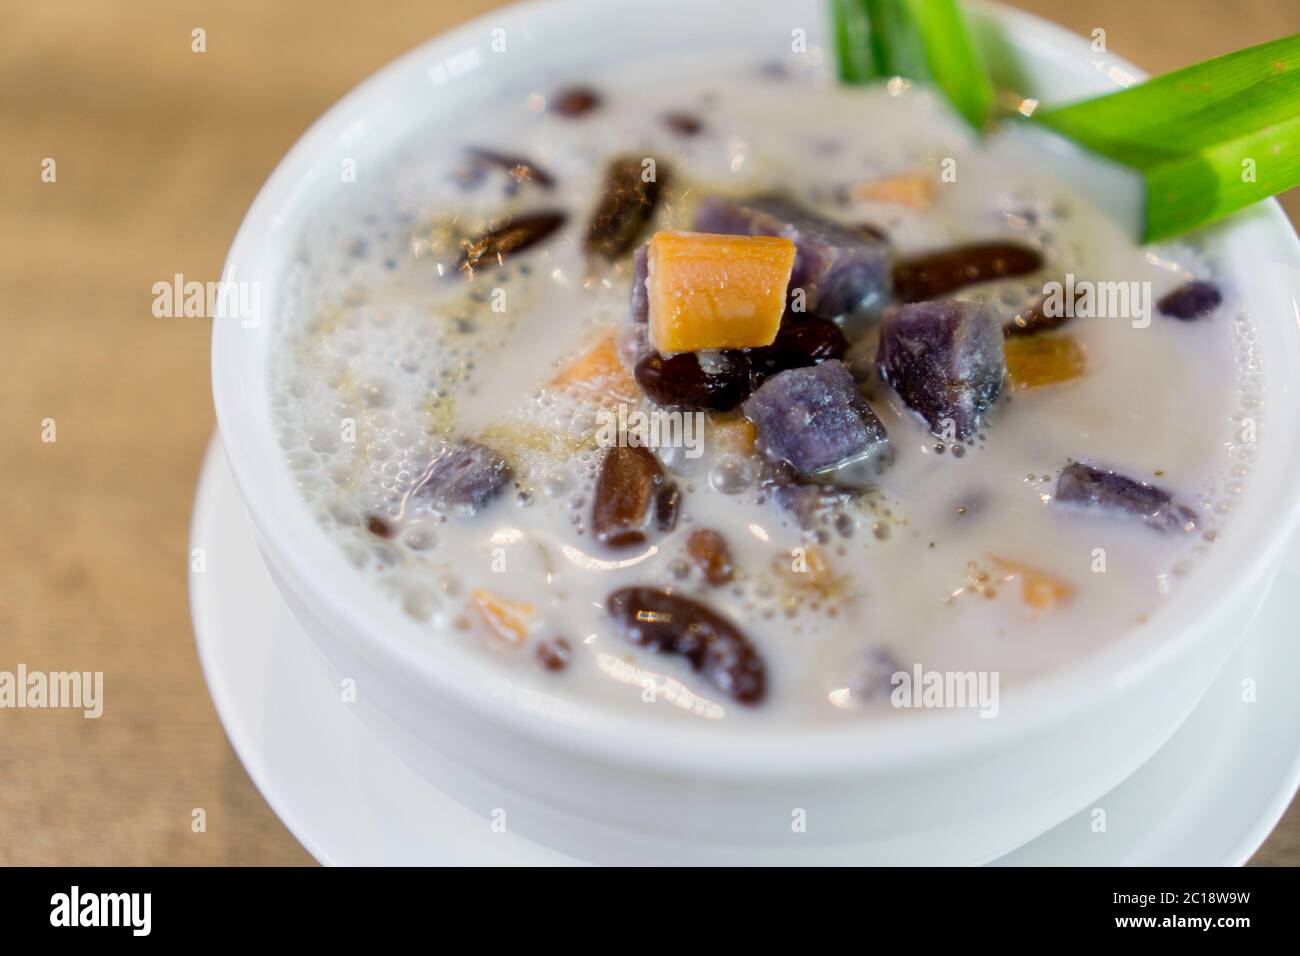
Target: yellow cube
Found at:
716, 292
1043, 359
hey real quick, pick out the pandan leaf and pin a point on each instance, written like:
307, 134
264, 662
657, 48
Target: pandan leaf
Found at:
852, 41
922, 40
1208, 139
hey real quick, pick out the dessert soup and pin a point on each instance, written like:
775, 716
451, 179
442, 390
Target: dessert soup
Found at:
717, 391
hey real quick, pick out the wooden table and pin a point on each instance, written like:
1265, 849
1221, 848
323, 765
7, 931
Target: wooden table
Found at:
159, 151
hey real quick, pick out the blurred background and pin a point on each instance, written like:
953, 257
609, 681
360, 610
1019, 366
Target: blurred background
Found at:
159, 153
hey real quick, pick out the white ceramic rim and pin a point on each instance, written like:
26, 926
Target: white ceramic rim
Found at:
286, 529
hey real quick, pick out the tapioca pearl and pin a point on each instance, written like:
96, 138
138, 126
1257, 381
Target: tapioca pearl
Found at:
678, 459
556, 483
419, 537
732, 475
302, 460
313, 484
376, 393
344, 513
323, 440
419, 602
356, 555
289, 438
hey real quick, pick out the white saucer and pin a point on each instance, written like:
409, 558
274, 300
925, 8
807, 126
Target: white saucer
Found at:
1209, 797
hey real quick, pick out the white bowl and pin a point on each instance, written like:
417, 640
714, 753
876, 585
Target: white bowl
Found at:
612, 787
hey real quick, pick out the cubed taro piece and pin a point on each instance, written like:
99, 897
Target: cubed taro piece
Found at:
640, 294
945, 361
838, 268
815, 418
463, 479
1191, 301
1102, 489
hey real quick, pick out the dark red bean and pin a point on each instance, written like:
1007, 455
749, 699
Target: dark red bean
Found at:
683, 124
801, 341
669, 624
625, 207
520, 167
515, 235
554, 654
378, 526
711, 554
935, 274
668, 506
1191, 301
680, 381
575, 101
1033, 319
626, 494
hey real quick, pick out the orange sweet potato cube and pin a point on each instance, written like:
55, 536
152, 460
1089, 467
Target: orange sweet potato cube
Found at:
508, 620
599, 374
716, 292
1036, 360
1038, 589
911, 189
734, 435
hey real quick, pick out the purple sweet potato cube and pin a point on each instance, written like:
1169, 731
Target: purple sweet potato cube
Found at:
815, 418
463, 479
1102, 489
640, 306
944, 359
838, 268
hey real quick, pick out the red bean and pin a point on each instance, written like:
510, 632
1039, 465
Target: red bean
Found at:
709, 550
669, 624
934, 274
627, 488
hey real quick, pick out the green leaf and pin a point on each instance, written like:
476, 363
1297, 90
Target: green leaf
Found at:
852, 41
922, 40
1208, 139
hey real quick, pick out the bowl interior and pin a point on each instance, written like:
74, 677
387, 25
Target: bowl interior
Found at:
549, 43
